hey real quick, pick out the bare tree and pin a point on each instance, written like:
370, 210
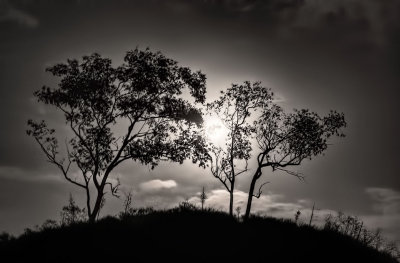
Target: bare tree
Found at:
312, 214
238, 209
142, 98
203, 198
234, 108
296, 216
128, 203
72, 213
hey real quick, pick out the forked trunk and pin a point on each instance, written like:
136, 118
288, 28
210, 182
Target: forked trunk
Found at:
92, 217
251, 193
96, 208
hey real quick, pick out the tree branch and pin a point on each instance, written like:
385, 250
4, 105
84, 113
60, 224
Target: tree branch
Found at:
114, 188
258, 195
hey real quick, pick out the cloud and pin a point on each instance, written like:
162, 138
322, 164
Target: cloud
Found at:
386, 205
157, 185
385, 200
20, 174
384, 195
12, 14
352, 22
268, 205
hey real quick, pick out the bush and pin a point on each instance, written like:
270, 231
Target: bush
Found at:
354, 227
72, 213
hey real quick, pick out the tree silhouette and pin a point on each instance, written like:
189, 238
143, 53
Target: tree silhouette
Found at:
203, 198
131, 112
234, 108
72, 213
296, 216
285, 140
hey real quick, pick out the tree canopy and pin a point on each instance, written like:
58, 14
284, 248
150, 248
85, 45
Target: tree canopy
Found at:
280, 140
142, 98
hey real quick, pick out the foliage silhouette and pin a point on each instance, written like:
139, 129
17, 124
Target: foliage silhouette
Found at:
71, 213
287, 139
142, 98
248, 110
352, 226
283, 139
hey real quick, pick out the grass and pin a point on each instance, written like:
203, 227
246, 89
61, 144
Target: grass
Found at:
189, 235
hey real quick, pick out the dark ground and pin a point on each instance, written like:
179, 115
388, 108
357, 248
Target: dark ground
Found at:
186, 235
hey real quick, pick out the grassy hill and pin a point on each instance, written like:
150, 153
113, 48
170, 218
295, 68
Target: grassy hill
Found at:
188, 235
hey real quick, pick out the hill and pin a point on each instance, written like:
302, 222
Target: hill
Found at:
189, 235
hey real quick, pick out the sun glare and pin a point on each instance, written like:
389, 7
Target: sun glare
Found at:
215, 130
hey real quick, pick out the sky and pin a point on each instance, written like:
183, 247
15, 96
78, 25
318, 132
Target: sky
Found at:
316, 54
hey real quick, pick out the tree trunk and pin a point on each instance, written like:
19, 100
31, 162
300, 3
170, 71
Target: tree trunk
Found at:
231, 203
96, 208
251, 193
312, 215
92, 217
231, 196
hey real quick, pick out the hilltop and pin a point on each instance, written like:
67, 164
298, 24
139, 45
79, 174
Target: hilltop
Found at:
187, 234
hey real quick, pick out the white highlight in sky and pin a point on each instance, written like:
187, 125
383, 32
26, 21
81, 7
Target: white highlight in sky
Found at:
155, 185
215, 130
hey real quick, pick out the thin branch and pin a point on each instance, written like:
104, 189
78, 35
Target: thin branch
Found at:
299, 175
114, 188
52, 159
258, 195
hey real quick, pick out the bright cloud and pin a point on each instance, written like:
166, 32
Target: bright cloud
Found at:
268, 204
156, 185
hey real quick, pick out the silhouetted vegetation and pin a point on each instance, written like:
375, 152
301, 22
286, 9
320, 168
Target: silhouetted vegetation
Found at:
72, 213
141, 98
187, 233
282, 139
203, 198
353, 227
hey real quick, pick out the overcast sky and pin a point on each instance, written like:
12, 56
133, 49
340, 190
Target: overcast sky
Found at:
316, 54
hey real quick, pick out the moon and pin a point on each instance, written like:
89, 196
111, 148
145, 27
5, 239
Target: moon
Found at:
215, 130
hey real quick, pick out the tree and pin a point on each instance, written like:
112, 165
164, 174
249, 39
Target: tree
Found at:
203, 198
238, 209
128, 204
72, 213
286, 140
234, 108
131, 112
312, 214
296, 216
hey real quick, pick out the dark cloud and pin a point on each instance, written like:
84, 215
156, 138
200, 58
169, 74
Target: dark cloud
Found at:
386, 205
12, 14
